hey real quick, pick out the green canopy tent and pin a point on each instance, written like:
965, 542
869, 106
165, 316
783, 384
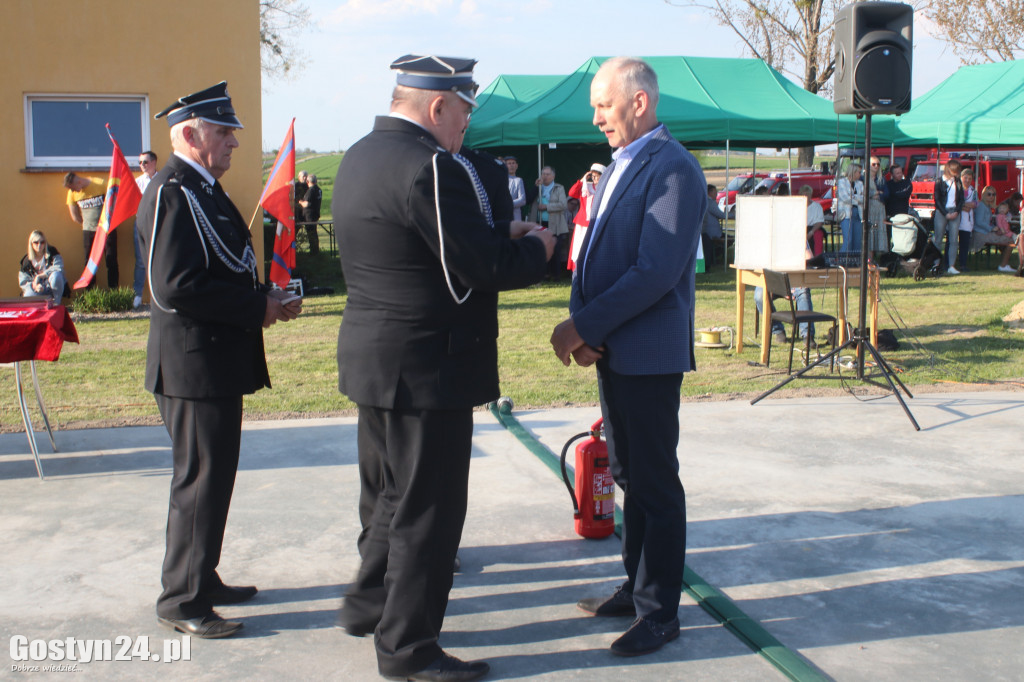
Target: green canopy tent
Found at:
507, 93
978, 106
504, 95
705, 102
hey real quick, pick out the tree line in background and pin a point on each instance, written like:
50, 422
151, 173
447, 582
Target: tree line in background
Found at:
280, 20
795, 36
792, 36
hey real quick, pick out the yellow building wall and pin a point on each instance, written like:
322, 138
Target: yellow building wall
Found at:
160, 49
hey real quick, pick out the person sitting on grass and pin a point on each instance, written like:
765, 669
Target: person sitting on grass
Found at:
42, 270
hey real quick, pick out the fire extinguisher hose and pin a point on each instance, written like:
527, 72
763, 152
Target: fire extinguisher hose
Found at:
710, 598
565, 474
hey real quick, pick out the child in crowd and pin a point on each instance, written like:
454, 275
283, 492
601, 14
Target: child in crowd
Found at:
1003, 220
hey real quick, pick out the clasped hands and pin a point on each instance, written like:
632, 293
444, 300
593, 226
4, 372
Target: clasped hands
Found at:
567, 342
280, 308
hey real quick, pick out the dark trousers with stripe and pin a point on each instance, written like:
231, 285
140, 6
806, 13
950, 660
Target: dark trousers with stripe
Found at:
205, 440
641, 423
109, 255
414, 477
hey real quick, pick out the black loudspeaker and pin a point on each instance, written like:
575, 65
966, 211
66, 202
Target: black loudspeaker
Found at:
874, 51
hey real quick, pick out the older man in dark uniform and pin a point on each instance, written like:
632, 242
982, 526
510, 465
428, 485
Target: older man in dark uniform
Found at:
205, 349
424, 259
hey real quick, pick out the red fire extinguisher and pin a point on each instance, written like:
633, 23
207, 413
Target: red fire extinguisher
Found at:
593, 500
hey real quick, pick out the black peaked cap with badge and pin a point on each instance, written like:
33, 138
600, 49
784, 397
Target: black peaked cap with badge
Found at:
431, 72
212, 104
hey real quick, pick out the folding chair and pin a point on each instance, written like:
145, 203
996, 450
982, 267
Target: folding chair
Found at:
776, 285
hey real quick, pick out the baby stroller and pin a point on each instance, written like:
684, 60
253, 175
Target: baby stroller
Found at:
910, 242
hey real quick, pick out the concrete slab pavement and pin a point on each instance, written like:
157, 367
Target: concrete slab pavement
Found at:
875, 552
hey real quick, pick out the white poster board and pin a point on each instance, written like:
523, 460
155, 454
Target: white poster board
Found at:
771, 233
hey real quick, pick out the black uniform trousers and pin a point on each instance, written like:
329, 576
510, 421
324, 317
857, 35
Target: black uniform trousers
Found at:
205, 439
414, 476
641, 424
109, 255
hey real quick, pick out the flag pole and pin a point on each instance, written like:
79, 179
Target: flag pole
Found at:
253, 219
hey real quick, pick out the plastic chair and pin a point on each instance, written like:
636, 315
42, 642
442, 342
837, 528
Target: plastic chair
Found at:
776, 286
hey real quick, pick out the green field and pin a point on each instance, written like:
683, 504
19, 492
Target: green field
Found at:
323, 166
954, 336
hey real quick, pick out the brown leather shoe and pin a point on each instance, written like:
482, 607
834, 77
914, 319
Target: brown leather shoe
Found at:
210, 626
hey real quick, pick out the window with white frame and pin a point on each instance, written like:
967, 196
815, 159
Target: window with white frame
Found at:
69, 131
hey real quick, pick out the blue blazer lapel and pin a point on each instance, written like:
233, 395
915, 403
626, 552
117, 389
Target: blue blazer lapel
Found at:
621, 187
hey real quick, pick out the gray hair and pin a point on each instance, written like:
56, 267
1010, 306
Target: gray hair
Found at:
634, 75
178, 131
414, 97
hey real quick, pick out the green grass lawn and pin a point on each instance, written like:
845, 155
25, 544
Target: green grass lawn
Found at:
954, 337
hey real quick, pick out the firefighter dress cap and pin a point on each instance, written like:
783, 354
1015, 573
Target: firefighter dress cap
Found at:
212, 105
437, 73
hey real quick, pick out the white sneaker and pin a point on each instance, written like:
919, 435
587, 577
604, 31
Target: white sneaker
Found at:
137, 302
952, 271
1006, 268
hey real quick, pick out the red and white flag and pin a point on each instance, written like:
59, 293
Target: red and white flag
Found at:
277, 201
120, 204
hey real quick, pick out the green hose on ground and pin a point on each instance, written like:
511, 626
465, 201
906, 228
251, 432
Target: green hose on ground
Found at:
721, 608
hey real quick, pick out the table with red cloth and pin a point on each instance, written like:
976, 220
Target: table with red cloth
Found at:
30, 330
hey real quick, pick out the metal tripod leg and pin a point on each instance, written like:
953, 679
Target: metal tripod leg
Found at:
808, 368
27, 422
42, 407
889, 376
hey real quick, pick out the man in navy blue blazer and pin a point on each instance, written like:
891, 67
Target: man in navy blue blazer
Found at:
631, 314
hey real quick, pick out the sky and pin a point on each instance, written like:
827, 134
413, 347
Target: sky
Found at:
344, 79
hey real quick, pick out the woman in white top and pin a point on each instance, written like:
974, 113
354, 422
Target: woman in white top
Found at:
850, 193
966, 217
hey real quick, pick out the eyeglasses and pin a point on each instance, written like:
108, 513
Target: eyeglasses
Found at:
988, 194
874, 165
38, 242
143, 162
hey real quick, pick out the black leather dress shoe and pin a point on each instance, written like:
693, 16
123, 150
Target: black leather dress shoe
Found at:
356, 629
619, 604
645, 636
210, 626
449, 669
225, 594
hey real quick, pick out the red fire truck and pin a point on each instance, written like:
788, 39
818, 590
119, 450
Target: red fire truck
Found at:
1002, 173
906, 157
821, 181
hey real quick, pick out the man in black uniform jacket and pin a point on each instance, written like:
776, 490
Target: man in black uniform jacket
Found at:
205, 349
417, 350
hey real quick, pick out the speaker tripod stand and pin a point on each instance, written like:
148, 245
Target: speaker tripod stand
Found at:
860, 337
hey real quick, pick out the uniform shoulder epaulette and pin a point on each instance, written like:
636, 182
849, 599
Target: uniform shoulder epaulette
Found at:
433, 145
484, 156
